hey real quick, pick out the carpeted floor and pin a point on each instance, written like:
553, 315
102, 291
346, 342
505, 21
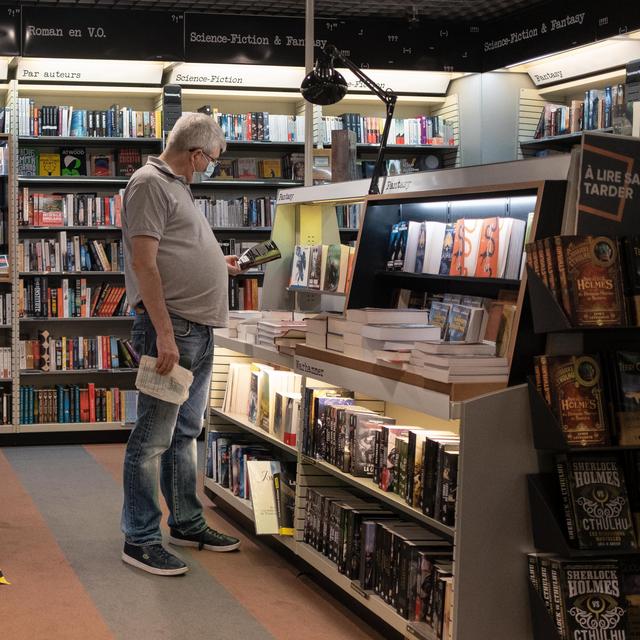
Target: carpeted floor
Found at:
60, 546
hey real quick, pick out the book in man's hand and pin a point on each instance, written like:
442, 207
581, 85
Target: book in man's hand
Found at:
259, 254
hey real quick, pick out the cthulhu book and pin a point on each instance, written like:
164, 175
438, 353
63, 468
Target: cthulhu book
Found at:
595, 501
592, 602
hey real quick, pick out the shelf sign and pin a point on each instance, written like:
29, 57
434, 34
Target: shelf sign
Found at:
237, 76
610, 54
373, 43
69, 70
309, 369
103, 34
541, 31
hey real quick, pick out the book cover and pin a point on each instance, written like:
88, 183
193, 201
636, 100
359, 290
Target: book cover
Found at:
258, 254
413, 236
591, 281
489, 249
263, 498
458, 250
51, 210
439, 316
401, 246
458, 323
27, 161
247, 168
284, 481
595, 501
626, 396
447, 250
592, 599
127, 162
362, 445
576, 393
418, 266
271, 168
315, 266
391, 250
74, 161
472, 235
332, 272
49, 164
300, 267
102, 165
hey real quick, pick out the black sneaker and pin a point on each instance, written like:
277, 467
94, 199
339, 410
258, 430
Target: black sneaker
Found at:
153, 558
207, 539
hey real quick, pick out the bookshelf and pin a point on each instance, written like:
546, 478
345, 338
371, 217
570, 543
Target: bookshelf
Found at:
492, 522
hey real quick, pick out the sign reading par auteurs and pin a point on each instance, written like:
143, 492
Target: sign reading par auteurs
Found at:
102, 34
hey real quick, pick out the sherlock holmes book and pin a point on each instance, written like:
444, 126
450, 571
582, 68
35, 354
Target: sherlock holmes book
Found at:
595, 501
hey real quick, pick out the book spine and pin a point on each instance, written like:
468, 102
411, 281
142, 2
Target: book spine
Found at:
562, 470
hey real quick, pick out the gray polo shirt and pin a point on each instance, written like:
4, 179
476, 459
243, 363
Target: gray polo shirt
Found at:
159, 203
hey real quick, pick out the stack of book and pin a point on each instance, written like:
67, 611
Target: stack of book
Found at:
261, 127
596, 280
481, 248
594, 112
407, 565
283, 335
239, 212
423, 130
76, 353
238, 317
67, 121
70, 253
260, 393
419, 465
73, 404
69, 209
38, 298
325, 267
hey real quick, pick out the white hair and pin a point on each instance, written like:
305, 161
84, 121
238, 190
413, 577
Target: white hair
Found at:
196, 131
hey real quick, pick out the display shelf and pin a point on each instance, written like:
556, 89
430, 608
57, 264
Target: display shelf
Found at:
102, 141
33, 228
94, 180
264, 145
58, 427
272, 183
319, 292
48, 90
387, 383
78, 274
562, 142
92, 319
220, 339
370, 487
243, 422
451, 281
250, 274
370, 601
34, 373
241, 229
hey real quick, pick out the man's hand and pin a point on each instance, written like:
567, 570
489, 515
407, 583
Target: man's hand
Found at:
232, 265
168, 353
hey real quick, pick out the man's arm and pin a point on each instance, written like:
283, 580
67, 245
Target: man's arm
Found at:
144, 265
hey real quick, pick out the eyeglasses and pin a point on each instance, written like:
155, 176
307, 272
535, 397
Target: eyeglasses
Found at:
206, 155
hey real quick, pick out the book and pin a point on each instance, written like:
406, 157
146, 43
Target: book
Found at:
401, 332
49, 164
595, 501
372, 315
74, 161
284, 482
332, 269
263, 498
101, 164
27, 162
300, 267
446, 256
415, 232
317, 254
464, 324
626, 396
262, 253
128, 161
574, 390
489, 249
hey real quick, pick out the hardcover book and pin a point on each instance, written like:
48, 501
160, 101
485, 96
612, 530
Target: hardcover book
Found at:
128, 161
458, 250
447, 250
573, 384
420, 249
300, 267
27, 161
332, 272
595, 502
392, 249
258, 254
591, 280
489, 250
626, 398
49, 164
74, 161
315, 266
102, 165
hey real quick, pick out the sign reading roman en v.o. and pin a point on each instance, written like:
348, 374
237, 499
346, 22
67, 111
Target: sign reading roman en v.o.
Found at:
102, 34
609, 189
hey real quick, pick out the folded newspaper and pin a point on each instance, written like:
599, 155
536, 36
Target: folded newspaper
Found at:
259, 254
174, 387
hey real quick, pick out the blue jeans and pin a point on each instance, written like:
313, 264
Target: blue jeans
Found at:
163, 441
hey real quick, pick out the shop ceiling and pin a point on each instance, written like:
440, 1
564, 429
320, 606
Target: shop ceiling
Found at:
467, 10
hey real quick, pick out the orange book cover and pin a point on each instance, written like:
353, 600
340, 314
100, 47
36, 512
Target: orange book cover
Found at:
254, 294
457, 257
84, 405
91, 389
487, 262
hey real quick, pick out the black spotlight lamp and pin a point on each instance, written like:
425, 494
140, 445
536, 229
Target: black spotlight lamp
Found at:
324, 85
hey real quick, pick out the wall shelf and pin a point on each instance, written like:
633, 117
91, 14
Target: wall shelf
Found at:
31, 229
221, 339
563, 142
92, 319
77, 274
54, 427
93, 141
76, 372
94, 180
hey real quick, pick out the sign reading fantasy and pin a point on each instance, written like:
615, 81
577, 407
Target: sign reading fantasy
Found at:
102, 33
609, 188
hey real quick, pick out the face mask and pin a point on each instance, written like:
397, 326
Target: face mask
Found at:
201, 176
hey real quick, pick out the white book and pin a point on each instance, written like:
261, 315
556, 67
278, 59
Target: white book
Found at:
370, 315
516, 245
505, 225
354, 351
461, 363
317, 340
263, 496
300, 267
335, 342
413, 234
411, 332
440, 375
433, 250
456, 348
340, 325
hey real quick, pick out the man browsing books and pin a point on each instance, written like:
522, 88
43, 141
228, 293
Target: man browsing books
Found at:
177, 281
